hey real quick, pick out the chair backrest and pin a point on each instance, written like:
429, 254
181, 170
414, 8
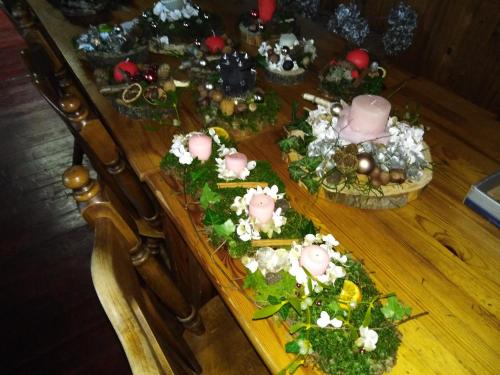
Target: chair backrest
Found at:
152, 346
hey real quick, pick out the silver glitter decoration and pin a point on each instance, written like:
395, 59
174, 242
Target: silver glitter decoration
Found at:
348, 23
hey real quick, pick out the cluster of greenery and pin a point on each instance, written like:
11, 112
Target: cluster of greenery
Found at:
265, 114
200, 181
304, 169
334, 350
345, 89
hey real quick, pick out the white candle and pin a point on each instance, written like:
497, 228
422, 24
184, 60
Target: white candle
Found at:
369, 114
261, 208
315, 259
236, 162
200, 146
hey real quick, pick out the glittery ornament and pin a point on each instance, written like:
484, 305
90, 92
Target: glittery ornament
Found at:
348, 23
366, 163
402, 22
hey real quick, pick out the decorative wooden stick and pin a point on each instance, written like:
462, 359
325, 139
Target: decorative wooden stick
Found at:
277, 242
113, 89
317, 100
241, 184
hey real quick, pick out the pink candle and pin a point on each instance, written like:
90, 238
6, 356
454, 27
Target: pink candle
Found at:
369, 114
261, 208
200, 146
315, 259
236, 162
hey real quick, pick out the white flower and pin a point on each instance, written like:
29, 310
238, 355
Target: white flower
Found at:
325, 321
164, 40
305, 346
263, 48
250, 263
368, 339
239, 205
246, 231
306, 303
179, 149
278, 220
330, 240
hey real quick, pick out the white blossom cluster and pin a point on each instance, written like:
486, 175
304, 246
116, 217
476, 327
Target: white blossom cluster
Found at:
248, 227
404, 150
307, 46
268, 260
166, 14
228, 174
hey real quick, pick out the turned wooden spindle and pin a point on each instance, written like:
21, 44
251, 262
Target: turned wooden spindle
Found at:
88, 193
93, 133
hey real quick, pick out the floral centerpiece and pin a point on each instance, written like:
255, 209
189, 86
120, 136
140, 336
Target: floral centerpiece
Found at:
358, 150
339, 321
233, 213
351, 76
171, 25
286, 61
107, 45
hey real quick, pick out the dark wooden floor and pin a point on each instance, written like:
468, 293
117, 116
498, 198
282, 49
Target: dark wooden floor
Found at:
51, 321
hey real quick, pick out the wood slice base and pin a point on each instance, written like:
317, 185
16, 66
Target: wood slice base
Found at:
242, 134
105, 59
393, 195
146, 112
285, 78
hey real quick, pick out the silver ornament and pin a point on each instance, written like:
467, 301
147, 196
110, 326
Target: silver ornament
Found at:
209, 86
336, 108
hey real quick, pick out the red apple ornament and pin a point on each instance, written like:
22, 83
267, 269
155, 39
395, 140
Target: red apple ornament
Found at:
266, 9
124, 70
359, 57
215, 43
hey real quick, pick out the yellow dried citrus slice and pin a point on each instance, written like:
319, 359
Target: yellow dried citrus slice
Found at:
221, 132
350, 293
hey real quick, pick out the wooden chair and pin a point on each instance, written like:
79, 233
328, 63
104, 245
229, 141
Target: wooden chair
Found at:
152, 340
154, 273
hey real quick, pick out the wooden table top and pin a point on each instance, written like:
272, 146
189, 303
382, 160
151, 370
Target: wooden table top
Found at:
435, 253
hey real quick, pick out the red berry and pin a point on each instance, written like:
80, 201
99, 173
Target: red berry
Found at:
354, 74
359, 57
124, 70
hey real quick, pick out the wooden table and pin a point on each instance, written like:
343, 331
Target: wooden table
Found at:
435, 253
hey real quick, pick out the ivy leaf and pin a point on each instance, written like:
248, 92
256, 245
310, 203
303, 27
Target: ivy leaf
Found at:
290, 143
295, 365
295, 302
213, 218
292, 347
208, 197
225, 230
268, 311
395, 310
312, 184
296, 327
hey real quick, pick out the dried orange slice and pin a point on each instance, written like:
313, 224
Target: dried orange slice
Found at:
350, 294
221, 132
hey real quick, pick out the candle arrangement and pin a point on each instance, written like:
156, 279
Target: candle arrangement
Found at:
142, 91
338, 320
286, 61
353, 75
232, 101
358, 154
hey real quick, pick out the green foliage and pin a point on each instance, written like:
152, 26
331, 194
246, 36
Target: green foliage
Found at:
283, 288
225, 230
292, 347
395, 310
208, 197
265, 114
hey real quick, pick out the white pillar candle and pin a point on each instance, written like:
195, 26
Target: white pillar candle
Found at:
315, 259
369, 114
200, 146
236, 162
261, 208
